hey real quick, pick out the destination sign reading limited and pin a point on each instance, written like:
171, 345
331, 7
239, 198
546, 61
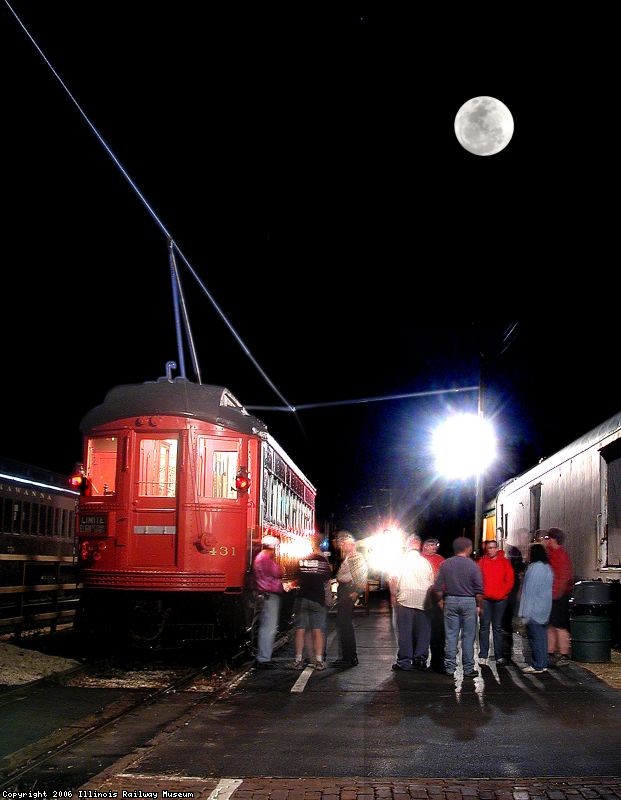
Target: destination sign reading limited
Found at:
93, 523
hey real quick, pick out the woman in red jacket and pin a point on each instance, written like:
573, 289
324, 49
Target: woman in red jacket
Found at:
498, 578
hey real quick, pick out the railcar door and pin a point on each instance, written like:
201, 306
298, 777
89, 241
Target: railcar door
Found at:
222, 533
154, 501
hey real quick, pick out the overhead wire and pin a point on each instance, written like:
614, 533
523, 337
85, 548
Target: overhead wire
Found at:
509, 336
148, 207
173, 245
332, 403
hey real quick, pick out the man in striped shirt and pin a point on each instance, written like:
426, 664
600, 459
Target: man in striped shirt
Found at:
352, 579
410, 587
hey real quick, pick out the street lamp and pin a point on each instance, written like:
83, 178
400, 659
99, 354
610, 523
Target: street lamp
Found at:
465, 445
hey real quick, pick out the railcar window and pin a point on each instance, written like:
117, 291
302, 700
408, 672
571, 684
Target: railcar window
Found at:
283, 507
16, 522
535, 508
26, 517
44, 515
47, 520
286, 507
34, 518
614, 511
224, 472
273, 501
158, 468
101, 465
216, 469
50, 523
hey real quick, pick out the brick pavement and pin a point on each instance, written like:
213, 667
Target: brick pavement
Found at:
432, 789
362, 788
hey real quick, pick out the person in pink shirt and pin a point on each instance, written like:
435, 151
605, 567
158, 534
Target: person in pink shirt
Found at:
268, 581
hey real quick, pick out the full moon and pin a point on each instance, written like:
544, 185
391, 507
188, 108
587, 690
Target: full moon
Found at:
484, 126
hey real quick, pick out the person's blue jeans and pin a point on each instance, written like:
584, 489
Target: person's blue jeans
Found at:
538, 638
460, 615
493, 612
268, 625
413, 630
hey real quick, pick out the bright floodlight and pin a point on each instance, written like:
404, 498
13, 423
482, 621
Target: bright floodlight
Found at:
384, 550
464, 445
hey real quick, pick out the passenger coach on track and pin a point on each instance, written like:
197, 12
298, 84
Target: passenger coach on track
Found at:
182, 484
37, 548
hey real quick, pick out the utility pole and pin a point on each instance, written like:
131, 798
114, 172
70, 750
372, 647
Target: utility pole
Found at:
478, 493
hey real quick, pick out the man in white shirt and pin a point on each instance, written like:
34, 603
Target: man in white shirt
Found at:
410, 587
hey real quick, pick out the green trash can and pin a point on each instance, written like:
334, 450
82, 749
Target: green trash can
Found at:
591, 637
590, 621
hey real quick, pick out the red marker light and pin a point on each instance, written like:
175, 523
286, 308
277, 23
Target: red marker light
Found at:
75, 481
80, 482
242, 480
242, 483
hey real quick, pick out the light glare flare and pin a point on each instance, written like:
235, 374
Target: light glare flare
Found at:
464, 445
384, 549
295, 548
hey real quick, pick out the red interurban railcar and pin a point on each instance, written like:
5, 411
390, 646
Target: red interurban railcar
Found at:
181, 484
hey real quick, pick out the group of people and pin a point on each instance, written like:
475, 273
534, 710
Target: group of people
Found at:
435, 601
312, 582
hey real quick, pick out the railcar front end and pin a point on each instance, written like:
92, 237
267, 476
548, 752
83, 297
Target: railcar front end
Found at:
172, 512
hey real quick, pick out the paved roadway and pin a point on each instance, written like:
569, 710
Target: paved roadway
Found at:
370, 721
368, 734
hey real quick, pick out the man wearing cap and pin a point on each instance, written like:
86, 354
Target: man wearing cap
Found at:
430, 552
562, 587
352, 579
268, 581
432, 609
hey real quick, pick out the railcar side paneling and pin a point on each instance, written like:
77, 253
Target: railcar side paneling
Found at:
38, 585
577, 489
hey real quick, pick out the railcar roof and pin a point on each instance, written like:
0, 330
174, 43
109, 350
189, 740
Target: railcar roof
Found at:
180, 398
607, 428
11, 468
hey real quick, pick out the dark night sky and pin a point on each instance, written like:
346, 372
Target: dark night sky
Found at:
304, 160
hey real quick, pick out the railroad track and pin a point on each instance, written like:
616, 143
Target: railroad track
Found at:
23, 769
32, 765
